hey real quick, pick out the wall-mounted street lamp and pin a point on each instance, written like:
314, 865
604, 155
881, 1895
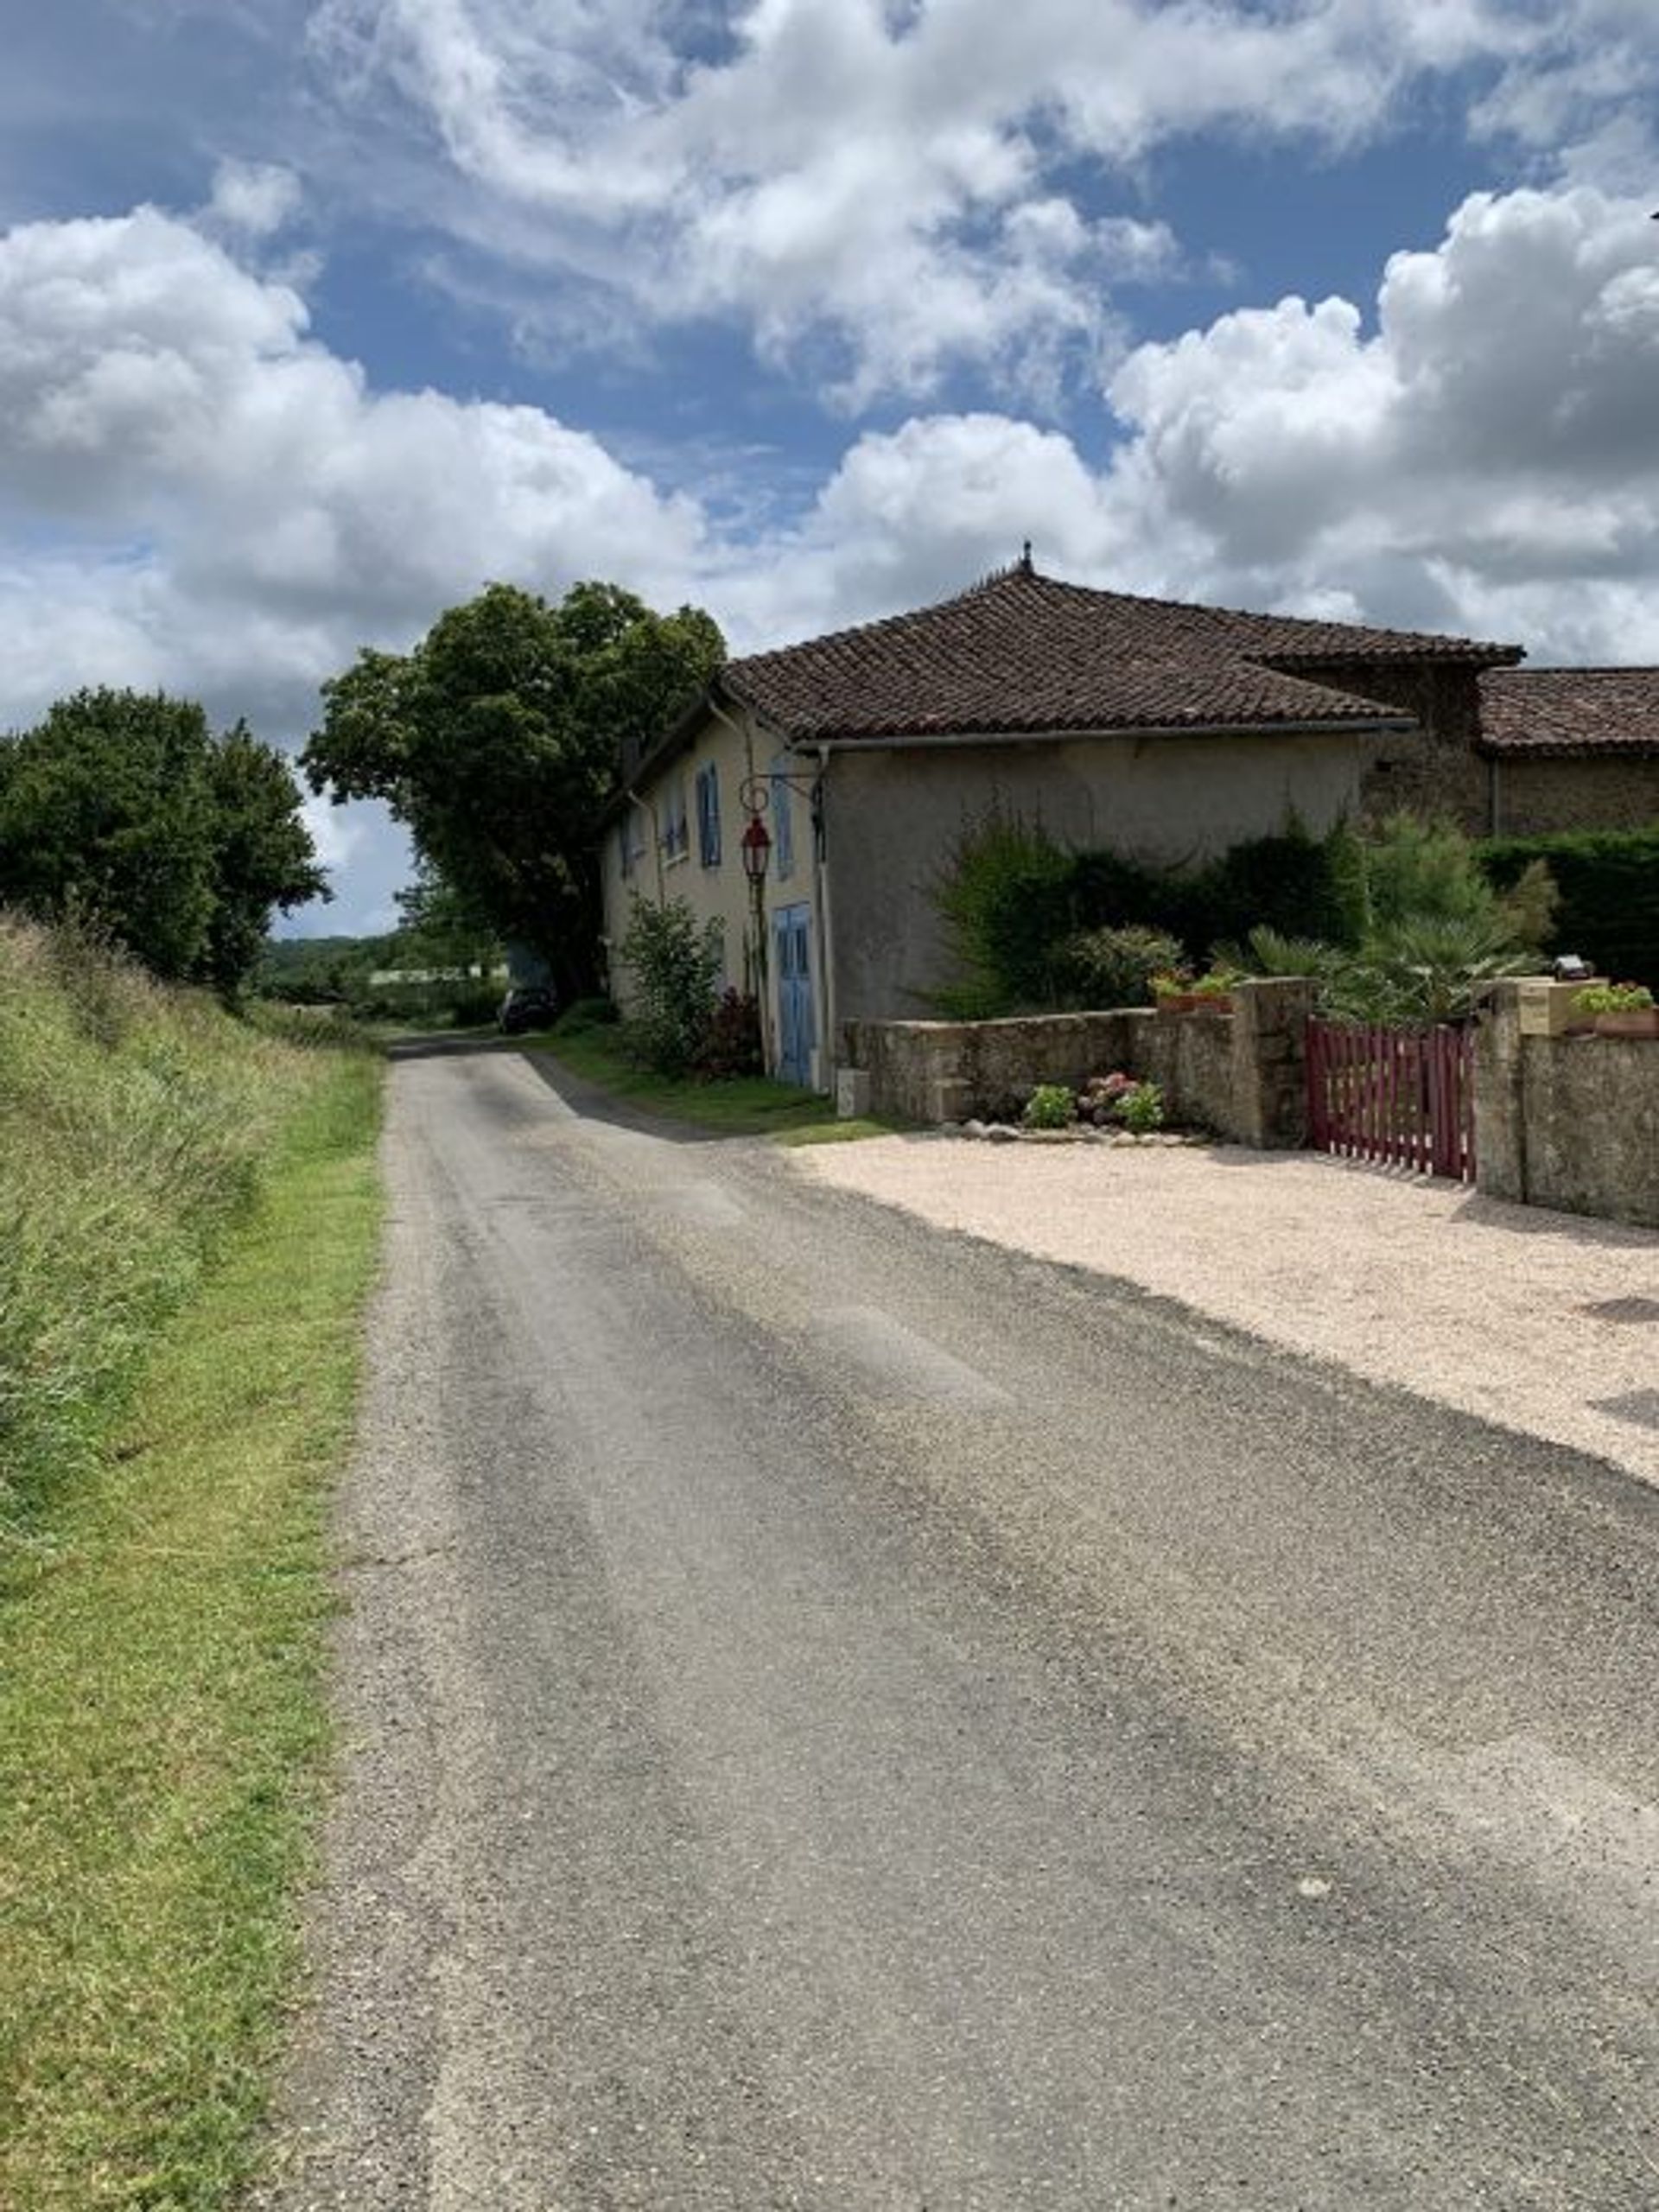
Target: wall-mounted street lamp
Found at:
755, 846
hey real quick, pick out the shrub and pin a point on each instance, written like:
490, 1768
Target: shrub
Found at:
1114, 967
1051, 1106
732, 1044
1019, 909
1005, 900
1141, 1108
675, 962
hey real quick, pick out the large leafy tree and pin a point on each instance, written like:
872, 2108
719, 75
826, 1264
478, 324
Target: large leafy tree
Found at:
122, 810
497, 739
262, 856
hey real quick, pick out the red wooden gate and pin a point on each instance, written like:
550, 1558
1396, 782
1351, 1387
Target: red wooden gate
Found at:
1405, 1095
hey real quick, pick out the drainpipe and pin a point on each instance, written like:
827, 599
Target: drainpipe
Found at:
826, 933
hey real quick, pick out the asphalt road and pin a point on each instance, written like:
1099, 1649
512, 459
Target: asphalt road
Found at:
839, 1716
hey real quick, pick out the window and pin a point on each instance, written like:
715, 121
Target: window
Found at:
783, 829
709, 817
677, 837
628, 841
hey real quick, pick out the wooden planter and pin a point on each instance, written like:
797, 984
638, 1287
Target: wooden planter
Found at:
1634, 1022
1177, 1001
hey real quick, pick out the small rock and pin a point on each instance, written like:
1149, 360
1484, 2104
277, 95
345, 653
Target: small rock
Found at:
1000, 1133
974, 1128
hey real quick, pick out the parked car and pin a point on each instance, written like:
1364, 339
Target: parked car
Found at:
527, 1006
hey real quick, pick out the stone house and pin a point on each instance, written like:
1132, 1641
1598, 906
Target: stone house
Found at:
1568, 748
1166, 731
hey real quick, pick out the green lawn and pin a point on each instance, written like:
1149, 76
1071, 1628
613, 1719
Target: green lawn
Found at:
163, 1711
736, 1106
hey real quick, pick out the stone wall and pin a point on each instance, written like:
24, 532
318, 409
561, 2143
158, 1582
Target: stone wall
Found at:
1597, 791
1241, 1074
1570, 1122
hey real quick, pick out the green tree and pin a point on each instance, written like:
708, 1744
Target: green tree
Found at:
122, 811
262, 856
497, 740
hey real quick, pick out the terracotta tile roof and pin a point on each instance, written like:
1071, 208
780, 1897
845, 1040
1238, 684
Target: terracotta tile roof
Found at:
1544, 712
1024, 653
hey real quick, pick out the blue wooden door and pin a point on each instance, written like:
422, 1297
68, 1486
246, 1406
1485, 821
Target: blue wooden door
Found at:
792, 936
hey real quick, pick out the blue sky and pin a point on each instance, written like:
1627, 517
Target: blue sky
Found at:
315, 316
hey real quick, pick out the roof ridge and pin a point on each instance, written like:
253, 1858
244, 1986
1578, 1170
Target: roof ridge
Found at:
1579, 668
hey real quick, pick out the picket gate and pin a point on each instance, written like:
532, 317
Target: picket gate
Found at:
1402, 1096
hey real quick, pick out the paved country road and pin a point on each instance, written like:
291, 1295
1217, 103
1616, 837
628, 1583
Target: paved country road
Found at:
842, 1716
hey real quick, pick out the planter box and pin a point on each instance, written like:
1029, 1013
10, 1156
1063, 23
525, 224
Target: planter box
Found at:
1639, 1021
1548, 1009
1177, 1003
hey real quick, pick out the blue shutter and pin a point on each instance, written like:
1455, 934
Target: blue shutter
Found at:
711, 806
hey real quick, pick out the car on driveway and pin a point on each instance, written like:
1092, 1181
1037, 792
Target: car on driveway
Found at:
527, 1006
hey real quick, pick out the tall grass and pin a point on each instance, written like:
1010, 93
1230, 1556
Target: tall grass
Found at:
132, 1123
192, 1207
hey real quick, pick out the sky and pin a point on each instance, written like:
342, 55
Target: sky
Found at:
317, 315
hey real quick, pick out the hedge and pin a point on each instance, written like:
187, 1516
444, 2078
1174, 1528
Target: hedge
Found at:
1609, 882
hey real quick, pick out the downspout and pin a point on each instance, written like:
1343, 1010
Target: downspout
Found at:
826, 933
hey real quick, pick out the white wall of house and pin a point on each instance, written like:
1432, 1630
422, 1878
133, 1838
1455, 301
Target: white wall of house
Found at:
661, 864
893, 817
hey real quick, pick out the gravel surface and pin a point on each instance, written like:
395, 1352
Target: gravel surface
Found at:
1488, 1307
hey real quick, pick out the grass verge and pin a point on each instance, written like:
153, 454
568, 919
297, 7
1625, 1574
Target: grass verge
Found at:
748, 1106
161, 1709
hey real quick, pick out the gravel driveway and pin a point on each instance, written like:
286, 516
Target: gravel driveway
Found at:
1538, 1320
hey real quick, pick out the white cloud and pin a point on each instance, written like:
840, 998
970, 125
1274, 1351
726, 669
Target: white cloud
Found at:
198, 495
254, 199
195, 494
896, 185
1485, 460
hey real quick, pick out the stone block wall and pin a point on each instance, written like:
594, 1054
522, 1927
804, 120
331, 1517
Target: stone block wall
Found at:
1242, 1074
1599, 792
1567, 1121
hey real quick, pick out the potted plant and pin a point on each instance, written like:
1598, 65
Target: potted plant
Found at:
1620, 1009
1213, 994
1173, 992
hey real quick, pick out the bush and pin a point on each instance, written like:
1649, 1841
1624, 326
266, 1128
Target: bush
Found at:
1609, 886
732, 1044
1051, 1106
1007, 904
675, 964
1114, 967
1018, 909
1141, 1108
